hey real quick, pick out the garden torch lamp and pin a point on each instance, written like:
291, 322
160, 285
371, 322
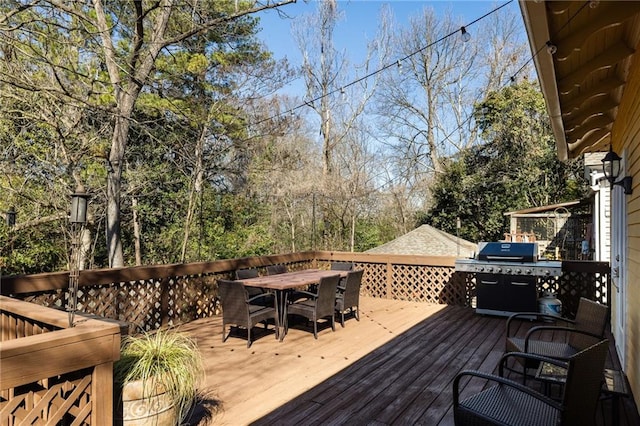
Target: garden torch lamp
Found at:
79, 200
611, 169
11, 217
77, 219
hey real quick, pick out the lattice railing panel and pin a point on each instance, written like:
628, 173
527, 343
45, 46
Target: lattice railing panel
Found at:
99, 300
455, 290
52, 299
409, 283
139, 303
431, 285
574, 284
374, 279
193, 297
60, 400
550, 284
171, 300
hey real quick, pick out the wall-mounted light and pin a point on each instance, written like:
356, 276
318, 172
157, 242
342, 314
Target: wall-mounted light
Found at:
611, 168
11, 217
464, 34
79, 201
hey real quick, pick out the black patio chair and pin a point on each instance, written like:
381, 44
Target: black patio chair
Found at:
342, 266
318, 305
511, 403
587, 329
276, 269
242, 310
348, 297
242, 274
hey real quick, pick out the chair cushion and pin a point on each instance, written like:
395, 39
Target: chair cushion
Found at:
505, 405
256, 309
303, 307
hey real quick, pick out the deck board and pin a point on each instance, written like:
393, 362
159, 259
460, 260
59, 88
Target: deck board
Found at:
395, 366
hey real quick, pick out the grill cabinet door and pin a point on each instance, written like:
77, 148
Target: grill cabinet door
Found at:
505, 294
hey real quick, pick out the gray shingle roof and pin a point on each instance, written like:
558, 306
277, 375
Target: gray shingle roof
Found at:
427, 241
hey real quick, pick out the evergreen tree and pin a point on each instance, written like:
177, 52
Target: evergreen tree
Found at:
515, 167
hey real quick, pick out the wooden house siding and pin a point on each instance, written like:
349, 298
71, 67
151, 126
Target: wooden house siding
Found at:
625, 139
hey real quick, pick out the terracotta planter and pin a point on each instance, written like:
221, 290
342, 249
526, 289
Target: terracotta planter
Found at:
143, 405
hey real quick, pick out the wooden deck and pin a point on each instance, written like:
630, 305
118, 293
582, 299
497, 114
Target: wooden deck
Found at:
395, 366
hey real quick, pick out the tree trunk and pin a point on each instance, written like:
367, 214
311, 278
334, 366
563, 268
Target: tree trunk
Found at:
353, 232
136, 231
114, 188
196, 188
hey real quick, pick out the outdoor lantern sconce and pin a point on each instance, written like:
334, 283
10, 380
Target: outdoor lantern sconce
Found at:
611, 168
79, 201
11, 217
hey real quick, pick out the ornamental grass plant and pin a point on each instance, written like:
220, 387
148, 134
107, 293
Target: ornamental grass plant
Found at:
166, 361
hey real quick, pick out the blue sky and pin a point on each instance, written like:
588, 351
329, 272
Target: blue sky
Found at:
360, 22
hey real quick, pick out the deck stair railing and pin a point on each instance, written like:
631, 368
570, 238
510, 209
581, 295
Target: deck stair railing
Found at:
50, 373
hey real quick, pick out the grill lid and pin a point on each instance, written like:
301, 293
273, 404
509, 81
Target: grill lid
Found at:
508, 252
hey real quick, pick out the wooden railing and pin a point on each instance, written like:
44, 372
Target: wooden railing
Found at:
49, 372
42, 359
150, 297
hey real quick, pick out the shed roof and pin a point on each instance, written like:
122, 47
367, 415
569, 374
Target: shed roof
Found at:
541, 209
427, 241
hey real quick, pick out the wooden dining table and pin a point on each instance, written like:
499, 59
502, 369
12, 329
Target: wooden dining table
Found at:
282, 283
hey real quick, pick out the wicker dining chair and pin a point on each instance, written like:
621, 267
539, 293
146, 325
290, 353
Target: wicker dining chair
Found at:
348, 297
242, 274
276, 269
584, 331
511, 403
242, 310
342, 266
318, 305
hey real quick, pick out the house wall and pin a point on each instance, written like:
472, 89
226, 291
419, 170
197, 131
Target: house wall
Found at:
626, 138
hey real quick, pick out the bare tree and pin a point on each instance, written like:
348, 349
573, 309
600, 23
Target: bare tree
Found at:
338, 92
425, 103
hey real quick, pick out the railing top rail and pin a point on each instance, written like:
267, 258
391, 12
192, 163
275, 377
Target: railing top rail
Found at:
90, 342
60, 280
404, 259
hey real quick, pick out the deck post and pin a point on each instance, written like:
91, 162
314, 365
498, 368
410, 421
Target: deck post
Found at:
102, 396
164, 301
389, 280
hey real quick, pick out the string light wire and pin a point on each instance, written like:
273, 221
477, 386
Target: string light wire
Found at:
513, 77
396, 63
549, 43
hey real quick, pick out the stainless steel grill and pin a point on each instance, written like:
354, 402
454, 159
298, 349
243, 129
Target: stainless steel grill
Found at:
506, 276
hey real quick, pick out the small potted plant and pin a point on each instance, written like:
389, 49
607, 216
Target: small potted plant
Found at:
157, 377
